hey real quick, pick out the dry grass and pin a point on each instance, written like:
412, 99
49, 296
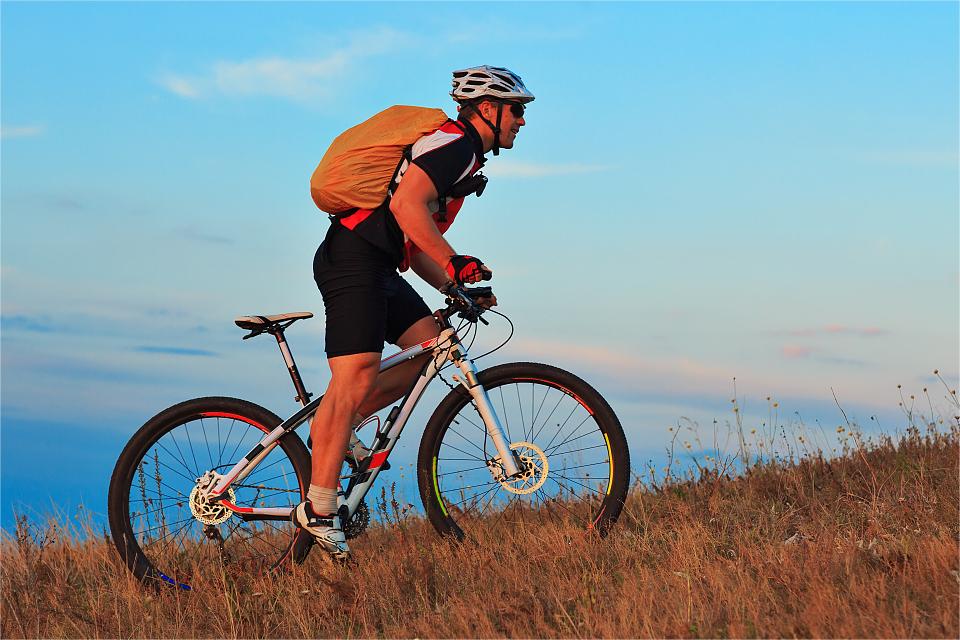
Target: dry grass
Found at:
861, 545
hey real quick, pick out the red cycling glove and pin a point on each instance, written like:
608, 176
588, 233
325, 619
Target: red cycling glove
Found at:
462, 269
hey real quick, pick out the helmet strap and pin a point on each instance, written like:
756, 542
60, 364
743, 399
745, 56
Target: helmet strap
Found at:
495, 128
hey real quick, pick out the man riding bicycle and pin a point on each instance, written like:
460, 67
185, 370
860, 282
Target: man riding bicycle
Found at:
365, 299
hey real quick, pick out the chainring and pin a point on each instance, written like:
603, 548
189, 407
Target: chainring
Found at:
358, 523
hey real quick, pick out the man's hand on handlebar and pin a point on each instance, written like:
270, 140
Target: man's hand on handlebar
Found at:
469, 303
482, 296
464, 269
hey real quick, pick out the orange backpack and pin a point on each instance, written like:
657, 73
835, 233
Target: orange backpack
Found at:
357, 169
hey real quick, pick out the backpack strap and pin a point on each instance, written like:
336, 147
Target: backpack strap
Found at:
472, 184
406, 156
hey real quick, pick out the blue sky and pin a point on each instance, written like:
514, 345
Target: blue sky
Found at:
766, 191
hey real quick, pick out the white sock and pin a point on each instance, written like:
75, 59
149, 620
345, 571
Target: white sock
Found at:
323, 500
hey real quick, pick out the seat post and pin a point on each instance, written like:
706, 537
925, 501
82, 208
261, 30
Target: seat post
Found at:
303, 397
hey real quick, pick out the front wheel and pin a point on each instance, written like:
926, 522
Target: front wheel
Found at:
164, 529
575, 467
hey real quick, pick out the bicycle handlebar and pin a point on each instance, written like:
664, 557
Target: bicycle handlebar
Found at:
460, 300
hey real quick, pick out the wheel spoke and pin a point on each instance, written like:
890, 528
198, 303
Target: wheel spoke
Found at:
180, 460
219, 442
495, 484
506, 416
533, 422
561, 426
206, 441
468, 441
188, 479
545, 422
186, 430
564, 453
447, 444
587, 487
440, 475
568, 438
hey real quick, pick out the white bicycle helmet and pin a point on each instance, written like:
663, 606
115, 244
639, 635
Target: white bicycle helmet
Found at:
489, 82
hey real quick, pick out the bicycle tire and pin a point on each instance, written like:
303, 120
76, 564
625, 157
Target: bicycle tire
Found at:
156, 466
454, 434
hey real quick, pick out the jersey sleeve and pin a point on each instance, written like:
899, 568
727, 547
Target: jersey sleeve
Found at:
448, 164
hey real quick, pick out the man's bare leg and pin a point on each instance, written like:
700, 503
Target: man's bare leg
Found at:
352, 378
355, 388
393, 384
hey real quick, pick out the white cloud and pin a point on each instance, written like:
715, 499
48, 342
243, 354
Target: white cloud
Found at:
297, 79
180, 85
511, 169
27, 131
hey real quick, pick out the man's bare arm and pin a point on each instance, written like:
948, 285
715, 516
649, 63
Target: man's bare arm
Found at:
425, 267
437, 277
411, 207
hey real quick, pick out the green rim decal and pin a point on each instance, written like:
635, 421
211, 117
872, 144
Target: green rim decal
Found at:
436, 487
609, 457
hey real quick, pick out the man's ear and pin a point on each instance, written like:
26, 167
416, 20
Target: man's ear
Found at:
488, 110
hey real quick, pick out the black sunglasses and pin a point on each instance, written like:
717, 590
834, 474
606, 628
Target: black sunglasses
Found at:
516, 108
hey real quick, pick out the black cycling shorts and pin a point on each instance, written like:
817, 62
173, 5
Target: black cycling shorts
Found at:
366, 300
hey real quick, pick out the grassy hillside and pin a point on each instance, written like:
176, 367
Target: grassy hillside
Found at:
861, 545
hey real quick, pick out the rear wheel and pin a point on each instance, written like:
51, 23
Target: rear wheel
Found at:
164, 529
572, 451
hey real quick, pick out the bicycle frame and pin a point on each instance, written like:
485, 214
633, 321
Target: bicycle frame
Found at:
446, 347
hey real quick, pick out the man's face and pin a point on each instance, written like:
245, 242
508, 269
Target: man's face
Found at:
511, 119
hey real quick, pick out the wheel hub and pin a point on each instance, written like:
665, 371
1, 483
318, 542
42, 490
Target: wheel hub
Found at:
533, 469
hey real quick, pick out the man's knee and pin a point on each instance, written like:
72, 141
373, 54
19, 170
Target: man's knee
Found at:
352, 377
420, 331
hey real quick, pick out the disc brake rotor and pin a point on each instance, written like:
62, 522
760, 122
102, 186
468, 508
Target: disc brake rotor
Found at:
210, 512
533, 469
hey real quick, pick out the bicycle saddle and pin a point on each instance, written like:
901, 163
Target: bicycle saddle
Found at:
260, 324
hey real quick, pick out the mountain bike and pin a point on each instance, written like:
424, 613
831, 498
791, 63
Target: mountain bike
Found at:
516, 447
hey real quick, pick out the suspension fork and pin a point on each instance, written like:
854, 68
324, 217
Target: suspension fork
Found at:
491, 421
